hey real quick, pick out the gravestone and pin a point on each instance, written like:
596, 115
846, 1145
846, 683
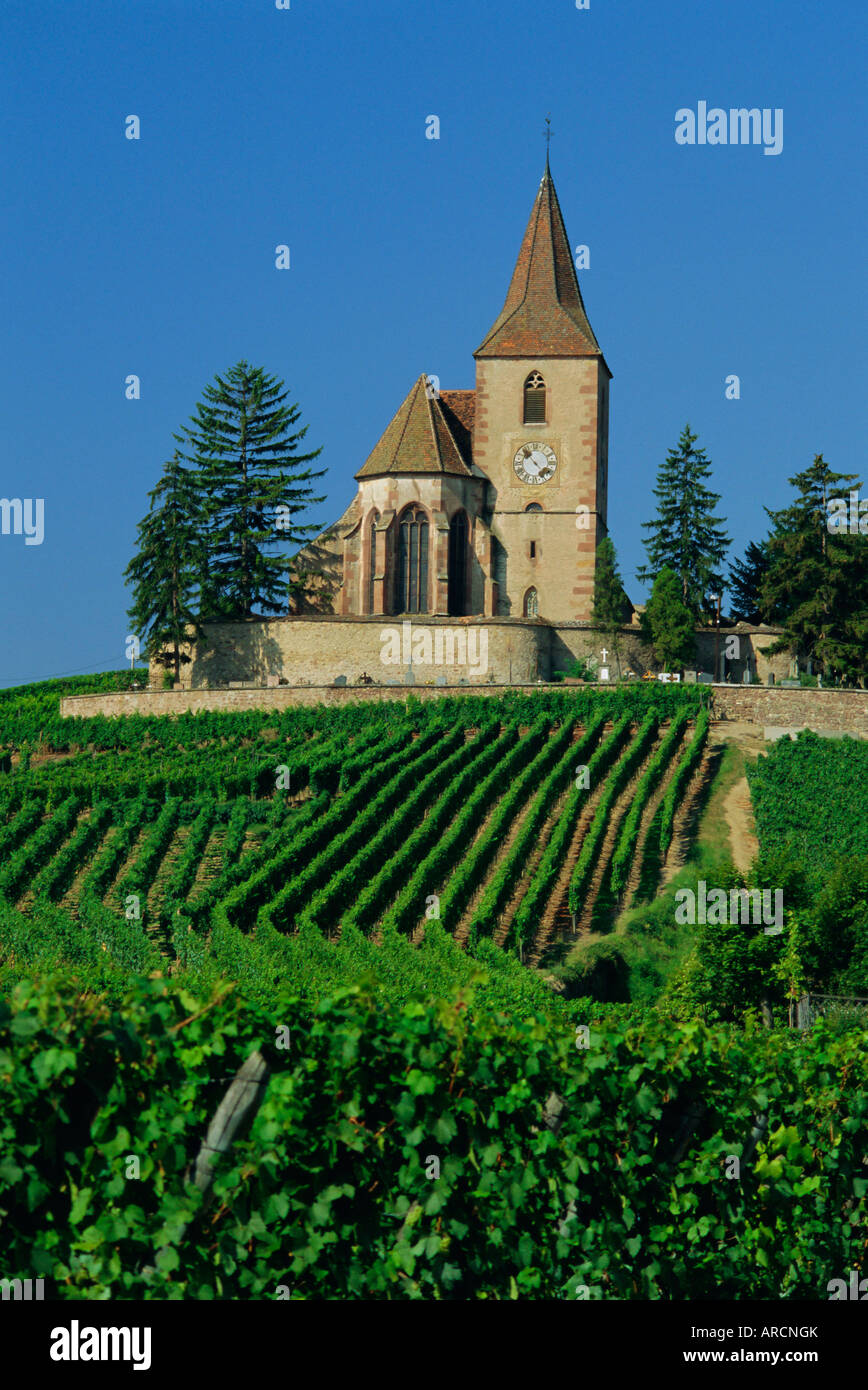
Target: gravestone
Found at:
340, 680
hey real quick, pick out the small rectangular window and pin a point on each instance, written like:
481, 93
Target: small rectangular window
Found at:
533, 550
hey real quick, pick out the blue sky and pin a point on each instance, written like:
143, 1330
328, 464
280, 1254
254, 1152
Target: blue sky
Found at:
307, 127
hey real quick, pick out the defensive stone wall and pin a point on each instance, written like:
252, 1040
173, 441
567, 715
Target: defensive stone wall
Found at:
315, 650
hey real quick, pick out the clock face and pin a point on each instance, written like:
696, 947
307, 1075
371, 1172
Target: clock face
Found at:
535, 463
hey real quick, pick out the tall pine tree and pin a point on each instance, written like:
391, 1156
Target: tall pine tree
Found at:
611, 604
244, 448
165, 569
816, 589
745, 583
686, 536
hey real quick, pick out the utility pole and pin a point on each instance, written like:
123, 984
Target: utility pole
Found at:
717, 636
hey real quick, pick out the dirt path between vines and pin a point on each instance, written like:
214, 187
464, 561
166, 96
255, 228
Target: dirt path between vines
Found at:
739, 817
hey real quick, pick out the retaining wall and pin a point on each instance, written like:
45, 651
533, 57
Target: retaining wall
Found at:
833, 711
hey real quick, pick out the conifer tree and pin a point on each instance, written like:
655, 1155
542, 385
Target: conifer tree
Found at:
686, 536
668, 623
745, 583
816, 588
164, 571
245, 452
611, 604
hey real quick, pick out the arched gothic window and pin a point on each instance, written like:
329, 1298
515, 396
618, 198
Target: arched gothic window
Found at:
372, 558
458, 557
531, 604
533, 507
411, 570
534, 400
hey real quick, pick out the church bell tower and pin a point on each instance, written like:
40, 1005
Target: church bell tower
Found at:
541, 430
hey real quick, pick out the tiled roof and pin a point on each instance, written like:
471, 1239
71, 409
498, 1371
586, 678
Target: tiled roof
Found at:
459, 410
543, 313
462, 404
418, 440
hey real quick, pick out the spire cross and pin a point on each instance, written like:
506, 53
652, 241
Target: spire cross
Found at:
548, 133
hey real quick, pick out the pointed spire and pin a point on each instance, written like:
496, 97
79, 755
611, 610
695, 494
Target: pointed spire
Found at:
543, 314
418, 439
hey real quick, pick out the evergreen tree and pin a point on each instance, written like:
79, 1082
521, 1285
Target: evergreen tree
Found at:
251, 476
611, 604
668, 623
815, 589
745, 583
686, 536
164, 571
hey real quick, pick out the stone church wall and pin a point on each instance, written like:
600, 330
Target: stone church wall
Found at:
314, 651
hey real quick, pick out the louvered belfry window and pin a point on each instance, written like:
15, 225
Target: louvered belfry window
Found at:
535, 400
411, 574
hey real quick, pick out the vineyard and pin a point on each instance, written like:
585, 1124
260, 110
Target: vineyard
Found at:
367, 902
256, 840
793, 788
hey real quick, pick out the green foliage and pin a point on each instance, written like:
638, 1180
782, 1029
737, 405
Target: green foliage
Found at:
745, 583
580, 669
505, 878
678, 783
685, 536
623, 855
244, 449
163, 571
402, 1051
377, 877
733, 967
333, 1191
611, 607
614, 785
816, 582
471, 870
668, 624
793, 787
819, 858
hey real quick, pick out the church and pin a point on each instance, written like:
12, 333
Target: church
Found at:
488, 502
476, 519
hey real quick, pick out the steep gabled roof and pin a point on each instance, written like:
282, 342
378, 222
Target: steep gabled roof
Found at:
418, 440
543, 314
